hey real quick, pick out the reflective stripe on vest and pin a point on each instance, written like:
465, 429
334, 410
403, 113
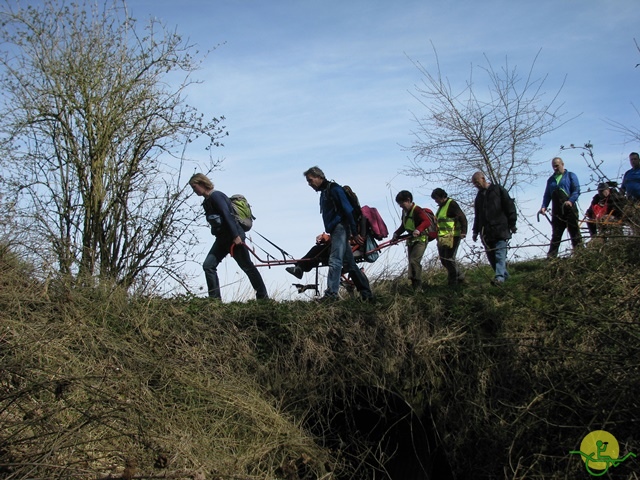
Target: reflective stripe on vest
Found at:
446, 225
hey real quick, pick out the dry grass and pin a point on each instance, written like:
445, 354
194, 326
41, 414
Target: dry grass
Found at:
503, 381
98, 381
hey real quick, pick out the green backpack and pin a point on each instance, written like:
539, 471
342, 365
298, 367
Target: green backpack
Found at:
242, 211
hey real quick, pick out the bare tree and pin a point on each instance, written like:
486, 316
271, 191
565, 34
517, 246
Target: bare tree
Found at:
495, 130
597, 174
94, 127
631, 133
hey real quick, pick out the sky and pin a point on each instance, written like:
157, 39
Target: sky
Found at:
332, 83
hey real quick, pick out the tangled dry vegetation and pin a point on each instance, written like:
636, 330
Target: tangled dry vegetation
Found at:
482, 382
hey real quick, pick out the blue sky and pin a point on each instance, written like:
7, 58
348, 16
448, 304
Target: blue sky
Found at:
330, 83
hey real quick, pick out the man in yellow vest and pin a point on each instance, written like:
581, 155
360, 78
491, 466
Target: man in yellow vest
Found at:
452, 228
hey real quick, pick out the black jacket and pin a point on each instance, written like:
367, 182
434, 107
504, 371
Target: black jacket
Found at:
495, 214
219, 213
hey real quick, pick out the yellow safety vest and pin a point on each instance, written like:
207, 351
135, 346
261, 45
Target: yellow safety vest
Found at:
410, 225
447, 227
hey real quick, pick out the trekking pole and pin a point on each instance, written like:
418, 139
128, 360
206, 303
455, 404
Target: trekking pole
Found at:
545, 216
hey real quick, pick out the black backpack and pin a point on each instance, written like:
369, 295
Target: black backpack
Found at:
355, 203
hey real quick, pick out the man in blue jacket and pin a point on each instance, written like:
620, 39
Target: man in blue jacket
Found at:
631, 179
337, 215
562, 191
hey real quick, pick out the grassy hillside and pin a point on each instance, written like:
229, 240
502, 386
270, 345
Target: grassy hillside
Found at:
479, 382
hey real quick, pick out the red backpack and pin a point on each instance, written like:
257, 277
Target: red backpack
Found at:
378, 227
432, 231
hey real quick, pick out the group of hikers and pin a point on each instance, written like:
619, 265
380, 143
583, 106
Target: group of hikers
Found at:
348, 233
606, 212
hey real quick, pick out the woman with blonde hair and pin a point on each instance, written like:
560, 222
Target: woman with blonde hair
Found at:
228, 233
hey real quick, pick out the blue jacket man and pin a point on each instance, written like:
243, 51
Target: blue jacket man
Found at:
562, 191
336, 208
337, 215
631, 179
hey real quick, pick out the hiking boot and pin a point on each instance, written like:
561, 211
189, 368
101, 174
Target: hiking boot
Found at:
327, 299
295, 271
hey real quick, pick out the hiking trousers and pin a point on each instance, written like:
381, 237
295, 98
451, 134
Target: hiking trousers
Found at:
564, 218
221, 249
415, 252
496, 251
342, 256
448, 260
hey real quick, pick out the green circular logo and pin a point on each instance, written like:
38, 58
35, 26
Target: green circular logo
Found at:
602, 447
599, 451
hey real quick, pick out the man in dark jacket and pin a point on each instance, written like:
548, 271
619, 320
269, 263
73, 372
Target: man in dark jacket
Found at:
229, 238
337, 215
495, 221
